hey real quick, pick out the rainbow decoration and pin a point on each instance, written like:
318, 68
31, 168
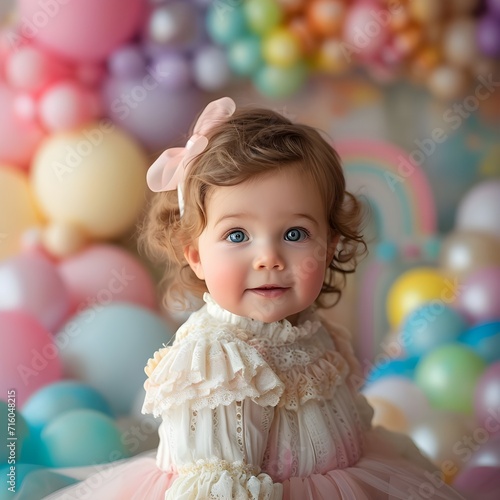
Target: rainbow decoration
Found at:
401, 201
398, 190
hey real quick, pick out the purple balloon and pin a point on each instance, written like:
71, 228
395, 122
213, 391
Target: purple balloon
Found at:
127, 61
487, 398
482, 482
479, 298
488, 35
494, 7
488, 454
156, 117
173, 71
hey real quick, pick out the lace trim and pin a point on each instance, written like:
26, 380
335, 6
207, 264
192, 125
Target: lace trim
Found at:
215, 465
209, 372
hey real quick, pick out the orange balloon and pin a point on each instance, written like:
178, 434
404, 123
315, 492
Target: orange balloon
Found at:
292, 7
424, 61
408, 40
299, 27
325, 16
331, 57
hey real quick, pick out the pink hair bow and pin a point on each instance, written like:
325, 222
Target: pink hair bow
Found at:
169, 171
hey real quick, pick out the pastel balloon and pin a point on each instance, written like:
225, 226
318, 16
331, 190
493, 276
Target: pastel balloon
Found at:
172, 71
99, 162
65, 106
106, 273
479, 300
18, 211
484, 339
244, 55
127, 61
464, 251
18, 138
430, 325
448, 376
478, 482
414, 288
387, 414
439, 436
29, 358
448, 82
64, 28
225, 27
478, 209
277, 82
32, 284
325, 17
488, 454
364, 29
210, 68
488, 35
487, 398
96, 441
108, 346
494, 7
459, 45
32, 69
133, 105
402, 393
54, 399
281, 48
61, 239
262, 15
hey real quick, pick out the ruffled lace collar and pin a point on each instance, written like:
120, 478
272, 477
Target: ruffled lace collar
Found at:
279, 332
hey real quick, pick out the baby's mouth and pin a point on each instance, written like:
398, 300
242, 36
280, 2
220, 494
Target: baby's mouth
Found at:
270, 291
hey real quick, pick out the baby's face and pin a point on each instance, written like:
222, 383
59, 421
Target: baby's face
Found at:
266, 246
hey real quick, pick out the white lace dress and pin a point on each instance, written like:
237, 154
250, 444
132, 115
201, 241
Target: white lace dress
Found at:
254, 410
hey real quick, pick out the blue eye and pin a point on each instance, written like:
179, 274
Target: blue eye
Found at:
237, 236
296, 234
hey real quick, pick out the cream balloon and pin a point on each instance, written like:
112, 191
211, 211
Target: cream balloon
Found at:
387, 414
92, 178
18, 211
459, 42
463, 251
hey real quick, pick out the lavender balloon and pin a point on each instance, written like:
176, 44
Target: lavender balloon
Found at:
488, 35
487, 399
494, 7
127, 61
173, 71
479, 482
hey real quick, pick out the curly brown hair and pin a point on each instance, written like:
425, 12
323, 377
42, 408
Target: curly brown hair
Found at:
250, 143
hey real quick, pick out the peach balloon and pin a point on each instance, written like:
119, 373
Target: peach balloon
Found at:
92, 178
459, 42
325, 17
107, 273
387, 414
18, 211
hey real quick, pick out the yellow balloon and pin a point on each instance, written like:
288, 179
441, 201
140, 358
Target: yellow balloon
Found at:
281, 48
413, 289
92, 178
18, 211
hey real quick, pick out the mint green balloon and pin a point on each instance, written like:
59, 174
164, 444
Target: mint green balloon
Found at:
244, 55
262, 15
82, 437
225, 23
277, 82
448, 376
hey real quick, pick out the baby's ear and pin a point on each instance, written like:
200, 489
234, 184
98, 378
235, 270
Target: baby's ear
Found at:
192, 255
330, 249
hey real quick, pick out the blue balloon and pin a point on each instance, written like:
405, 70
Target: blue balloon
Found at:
54, 399
82, 437
244, 55
429, 326
484, 339
394, 367
108, 348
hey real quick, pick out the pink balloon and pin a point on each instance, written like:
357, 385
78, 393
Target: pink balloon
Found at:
31, 69
365, 29
64, 106
18, 138
81, 30
32, 284
104, 273
479, 296
29, 357
487, 398
479, 482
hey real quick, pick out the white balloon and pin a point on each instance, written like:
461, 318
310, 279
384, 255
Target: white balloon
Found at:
210, 68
